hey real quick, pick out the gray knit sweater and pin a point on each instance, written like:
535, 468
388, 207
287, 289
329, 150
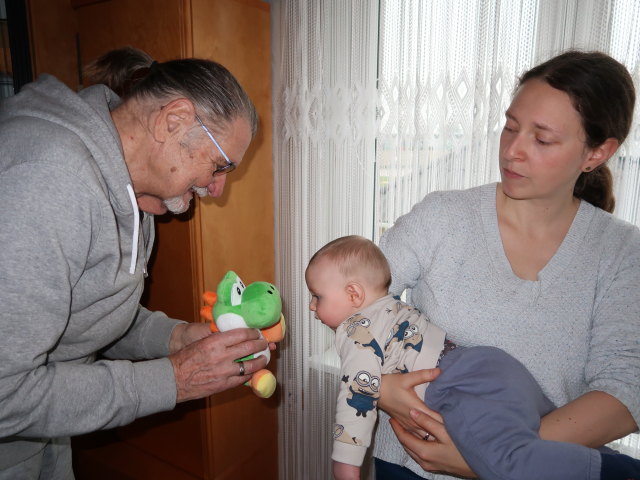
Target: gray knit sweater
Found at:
577, 328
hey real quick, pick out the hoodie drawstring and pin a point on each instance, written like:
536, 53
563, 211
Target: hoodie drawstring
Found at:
136, 229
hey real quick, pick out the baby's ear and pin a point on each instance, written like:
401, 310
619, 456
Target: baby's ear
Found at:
356, 294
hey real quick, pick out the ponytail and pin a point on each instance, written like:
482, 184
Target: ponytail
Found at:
119, 69
596, 187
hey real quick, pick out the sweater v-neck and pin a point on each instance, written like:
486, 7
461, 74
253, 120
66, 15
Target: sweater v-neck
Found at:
560, 260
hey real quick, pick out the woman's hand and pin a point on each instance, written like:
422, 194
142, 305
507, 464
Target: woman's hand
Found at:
412, 420
398, 397
437, 453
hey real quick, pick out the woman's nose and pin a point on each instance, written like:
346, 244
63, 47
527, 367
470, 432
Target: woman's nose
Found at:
514, 146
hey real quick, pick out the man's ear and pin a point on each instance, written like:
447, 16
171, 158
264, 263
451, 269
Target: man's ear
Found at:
175, 117
356, 294
600, 154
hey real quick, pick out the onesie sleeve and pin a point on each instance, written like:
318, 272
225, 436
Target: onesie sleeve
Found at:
613, 364
356, 406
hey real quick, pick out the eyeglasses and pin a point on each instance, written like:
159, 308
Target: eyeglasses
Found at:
229, 166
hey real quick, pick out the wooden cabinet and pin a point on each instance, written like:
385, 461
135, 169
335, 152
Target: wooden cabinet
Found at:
234, 434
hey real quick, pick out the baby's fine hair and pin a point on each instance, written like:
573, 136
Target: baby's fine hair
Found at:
354, 254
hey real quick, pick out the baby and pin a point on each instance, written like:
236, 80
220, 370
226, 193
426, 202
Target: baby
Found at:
376, 334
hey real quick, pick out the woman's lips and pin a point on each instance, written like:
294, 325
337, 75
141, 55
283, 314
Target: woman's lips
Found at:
511, 174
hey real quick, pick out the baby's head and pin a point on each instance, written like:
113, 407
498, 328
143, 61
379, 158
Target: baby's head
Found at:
346, 276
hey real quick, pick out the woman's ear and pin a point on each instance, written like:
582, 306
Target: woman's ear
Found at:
356, 294
600, 154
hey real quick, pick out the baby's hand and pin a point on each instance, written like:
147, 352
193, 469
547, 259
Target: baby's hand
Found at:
344, 471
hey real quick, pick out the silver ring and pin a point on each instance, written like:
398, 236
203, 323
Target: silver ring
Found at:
241, 363
426, 437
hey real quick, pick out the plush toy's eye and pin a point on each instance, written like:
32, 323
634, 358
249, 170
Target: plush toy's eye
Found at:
236, 293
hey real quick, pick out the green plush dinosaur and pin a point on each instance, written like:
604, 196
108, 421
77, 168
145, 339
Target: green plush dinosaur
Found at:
257, 305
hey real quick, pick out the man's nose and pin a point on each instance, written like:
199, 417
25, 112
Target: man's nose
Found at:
217, 186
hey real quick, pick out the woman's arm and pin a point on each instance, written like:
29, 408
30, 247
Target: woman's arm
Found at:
594, 419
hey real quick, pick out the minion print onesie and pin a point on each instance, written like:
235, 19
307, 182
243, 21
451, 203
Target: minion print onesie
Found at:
388, 336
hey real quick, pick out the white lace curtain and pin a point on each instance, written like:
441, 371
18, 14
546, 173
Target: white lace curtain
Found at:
377, 103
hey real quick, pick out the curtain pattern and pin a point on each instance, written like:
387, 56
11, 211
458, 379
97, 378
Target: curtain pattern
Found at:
376, 104
324, 149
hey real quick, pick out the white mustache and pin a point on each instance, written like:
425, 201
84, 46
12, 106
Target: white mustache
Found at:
177, 205
200, 191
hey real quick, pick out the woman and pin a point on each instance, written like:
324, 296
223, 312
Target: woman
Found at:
533, 265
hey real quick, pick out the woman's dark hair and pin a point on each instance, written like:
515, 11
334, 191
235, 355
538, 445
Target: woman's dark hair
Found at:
214, 91
602, 92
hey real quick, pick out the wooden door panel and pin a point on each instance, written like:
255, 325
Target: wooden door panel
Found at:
159, 27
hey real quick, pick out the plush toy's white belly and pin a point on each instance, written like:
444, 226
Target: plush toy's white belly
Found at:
231, 321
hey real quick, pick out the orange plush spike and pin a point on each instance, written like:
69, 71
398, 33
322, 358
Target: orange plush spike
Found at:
210, 298
275, 333
206, 314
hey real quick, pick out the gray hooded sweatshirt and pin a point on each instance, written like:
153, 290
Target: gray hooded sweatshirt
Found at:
73, 250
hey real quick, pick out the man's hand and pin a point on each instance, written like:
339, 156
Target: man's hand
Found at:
186, 333
207, 366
